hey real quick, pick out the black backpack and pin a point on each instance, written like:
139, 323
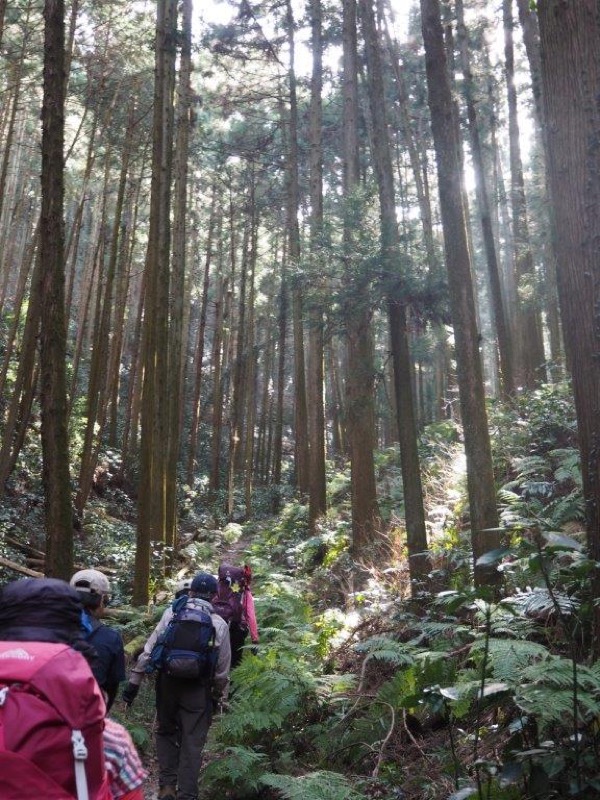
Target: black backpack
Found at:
186, 649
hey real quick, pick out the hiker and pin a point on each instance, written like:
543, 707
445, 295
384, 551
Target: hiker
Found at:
93, 589
235, 603
41, 645
190, 650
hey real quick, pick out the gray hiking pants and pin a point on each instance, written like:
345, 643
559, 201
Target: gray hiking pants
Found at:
184, 712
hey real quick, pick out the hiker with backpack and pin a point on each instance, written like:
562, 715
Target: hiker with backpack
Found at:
93, 589
234, 602
54, 739
190, 652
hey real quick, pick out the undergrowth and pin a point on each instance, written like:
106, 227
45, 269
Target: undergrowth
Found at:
357, 692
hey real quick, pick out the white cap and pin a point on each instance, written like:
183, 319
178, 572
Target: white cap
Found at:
91, 581
183, 585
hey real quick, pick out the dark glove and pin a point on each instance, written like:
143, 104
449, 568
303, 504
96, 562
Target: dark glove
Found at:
130, 693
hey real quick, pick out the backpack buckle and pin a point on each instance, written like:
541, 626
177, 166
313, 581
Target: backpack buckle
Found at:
79, 749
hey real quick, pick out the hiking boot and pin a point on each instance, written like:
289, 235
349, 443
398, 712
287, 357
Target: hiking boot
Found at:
167, 793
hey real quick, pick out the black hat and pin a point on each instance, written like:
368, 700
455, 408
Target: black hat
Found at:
43, 609
204, 585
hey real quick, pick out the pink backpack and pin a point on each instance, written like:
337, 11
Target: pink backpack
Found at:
51, 723
228, 603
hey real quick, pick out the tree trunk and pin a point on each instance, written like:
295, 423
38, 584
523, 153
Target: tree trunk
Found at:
218, 355
99, 367
569, 34
301, 438
178, 279
532, 361
51, 289
154, 440
500, 320
315, 382
360, 422
199, 348
531, 40
480, 474
391, 257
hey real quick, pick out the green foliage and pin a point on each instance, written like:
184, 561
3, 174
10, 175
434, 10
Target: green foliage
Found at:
508, 658
238, 768
318, 785
269, 690
548, 692
382, 648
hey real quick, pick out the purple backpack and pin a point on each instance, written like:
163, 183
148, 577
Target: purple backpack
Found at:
229, 599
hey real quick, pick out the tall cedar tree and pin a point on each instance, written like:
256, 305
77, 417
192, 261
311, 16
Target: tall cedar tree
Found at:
51, 288
569, 35
315, 377
360, 420
154, 407
480, 474
416, 533
500, 318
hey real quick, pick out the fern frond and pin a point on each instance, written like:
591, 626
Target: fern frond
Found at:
566, 509
558, 672
318, 785
538, 602
569, 466
382, 648
552, 705
330, 687
444, 630
530, 466
237, 767
509, 657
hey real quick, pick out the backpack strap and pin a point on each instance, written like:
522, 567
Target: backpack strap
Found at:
89, 625
80, 755
178, 605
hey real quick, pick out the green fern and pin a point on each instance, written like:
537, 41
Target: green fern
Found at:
508, 658
557, 671
382, 648
569, 466
443, 632
269, 689
537, 602
330, 688
237, 767
401, 691
318, 785
547, 691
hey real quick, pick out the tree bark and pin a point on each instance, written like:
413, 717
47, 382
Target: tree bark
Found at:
570, 71
301, 439
315, 382
51, 289
532, 361
360, 421
480, 475
416, 533
154, 442
500, 320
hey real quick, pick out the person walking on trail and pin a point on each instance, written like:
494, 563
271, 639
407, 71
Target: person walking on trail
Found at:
191, 652
93, 588
43, 613
235, 603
